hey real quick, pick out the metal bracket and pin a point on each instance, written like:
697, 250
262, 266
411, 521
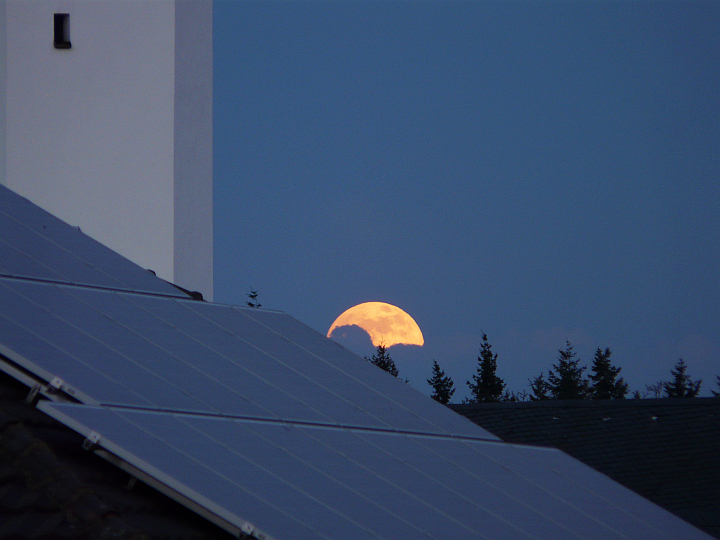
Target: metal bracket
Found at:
91, 441
34, 395
248, 531
131, 482
58, 387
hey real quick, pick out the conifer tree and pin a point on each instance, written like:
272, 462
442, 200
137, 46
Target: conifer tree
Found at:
382, 359
682, 386
605, 384
567, 381
253, 302
442, 385
540, 388
716, 394
487, 386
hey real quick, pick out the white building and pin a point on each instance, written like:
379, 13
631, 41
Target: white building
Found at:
106, 115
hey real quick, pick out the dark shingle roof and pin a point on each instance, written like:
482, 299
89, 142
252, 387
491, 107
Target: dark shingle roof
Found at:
51, 488
667, 450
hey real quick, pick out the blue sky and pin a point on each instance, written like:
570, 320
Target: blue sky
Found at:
539, 171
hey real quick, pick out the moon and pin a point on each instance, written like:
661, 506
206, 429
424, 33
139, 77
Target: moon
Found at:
385, 323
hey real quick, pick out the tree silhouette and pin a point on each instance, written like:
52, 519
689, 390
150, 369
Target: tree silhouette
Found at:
253, 302
515, 397
716, 394
442, 385
540, 388
487, 386
605, 384
567, 381
382, 359
654, 390
682, 386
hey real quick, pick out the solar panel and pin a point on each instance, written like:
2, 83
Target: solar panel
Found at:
264, 425
36, 245
286, 480
165, 353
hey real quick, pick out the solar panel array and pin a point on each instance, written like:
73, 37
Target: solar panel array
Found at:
34, 244
267, 425
164, 353
302, 482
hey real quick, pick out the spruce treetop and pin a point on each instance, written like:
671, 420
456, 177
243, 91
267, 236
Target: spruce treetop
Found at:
253, 296
605, 383
682, 386
382, 359
442, 385
566, 381
487, 386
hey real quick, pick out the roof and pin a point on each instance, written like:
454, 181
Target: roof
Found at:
251, 419
667, 450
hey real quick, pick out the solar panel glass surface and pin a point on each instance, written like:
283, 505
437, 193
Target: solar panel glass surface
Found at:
172, 354
295, 481
36, 245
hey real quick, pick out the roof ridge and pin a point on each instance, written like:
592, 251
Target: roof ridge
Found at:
590, 403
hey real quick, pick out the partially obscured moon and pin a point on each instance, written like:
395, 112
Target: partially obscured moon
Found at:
385, 323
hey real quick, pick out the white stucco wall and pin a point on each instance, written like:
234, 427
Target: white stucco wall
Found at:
115, 134
193, 146
90, 130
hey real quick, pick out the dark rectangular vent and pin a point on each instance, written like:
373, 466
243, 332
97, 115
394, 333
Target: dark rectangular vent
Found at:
62, 31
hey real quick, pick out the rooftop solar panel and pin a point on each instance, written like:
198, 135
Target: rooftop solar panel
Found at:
36, 245
285, 480
165, 353
264, 425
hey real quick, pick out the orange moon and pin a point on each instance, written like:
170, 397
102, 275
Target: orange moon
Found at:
385, 323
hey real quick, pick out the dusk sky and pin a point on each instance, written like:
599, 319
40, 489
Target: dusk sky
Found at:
539, 171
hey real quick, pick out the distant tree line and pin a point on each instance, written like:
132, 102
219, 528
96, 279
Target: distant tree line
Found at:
566, 379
